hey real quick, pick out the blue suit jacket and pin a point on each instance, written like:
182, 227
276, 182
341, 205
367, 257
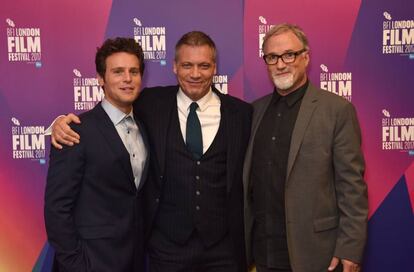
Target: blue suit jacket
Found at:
93, 210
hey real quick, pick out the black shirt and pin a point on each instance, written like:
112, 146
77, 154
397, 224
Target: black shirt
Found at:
268, 175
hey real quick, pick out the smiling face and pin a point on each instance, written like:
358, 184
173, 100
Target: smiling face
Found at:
122, 80
286, 77
195, 67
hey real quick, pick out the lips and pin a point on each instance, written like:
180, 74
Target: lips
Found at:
127, 89
282, 74
195, 84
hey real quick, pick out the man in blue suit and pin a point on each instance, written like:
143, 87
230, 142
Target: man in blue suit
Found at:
93, 200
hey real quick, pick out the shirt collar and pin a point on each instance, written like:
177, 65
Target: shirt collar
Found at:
293, 97
210, 99
115, 114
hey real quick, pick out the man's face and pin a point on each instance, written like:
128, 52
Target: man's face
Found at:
122, 80
286, 77
195, 67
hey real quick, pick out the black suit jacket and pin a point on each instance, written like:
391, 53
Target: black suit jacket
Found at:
93, 210
155, 106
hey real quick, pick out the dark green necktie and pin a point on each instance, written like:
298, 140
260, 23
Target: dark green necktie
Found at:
194, 138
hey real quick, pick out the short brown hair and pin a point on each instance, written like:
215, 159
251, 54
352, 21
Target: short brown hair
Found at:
196, 38
116, 45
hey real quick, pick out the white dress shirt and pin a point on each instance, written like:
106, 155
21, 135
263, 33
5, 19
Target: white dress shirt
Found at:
208, 113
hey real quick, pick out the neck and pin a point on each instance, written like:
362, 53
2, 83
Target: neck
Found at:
127, 108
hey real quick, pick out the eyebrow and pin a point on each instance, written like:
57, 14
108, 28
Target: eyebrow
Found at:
123, 68
284, 52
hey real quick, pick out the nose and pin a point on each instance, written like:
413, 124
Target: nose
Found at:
195, 72
280, 65
127, 77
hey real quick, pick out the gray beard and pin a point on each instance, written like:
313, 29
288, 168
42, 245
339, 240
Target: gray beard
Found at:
283, 84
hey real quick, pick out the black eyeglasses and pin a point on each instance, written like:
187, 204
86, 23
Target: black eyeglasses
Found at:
289, 57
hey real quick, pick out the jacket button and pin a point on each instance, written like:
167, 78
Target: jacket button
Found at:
161, 177
157, 200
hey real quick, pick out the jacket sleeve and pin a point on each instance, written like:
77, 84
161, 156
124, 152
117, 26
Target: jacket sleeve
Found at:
64, 178
350, 186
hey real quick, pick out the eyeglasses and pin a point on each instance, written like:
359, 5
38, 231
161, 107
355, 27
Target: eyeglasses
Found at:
289, 57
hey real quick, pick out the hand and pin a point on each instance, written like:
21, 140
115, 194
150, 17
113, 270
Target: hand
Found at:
348, 265
62, 133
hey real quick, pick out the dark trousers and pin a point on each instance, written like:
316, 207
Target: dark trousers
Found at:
168, 256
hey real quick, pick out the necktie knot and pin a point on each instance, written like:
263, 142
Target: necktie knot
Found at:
193, 107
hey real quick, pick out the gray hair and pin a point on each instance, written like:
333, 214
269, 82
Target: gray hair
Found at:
285, 27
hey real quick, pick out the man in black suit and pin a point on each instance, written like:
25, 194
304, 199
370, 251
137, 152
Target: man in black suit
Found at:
93, 199
198, 138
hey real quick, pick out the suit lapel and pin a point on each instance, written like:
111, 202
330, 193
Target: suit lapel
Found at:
108, 131
306, 110
146, 144
260, 111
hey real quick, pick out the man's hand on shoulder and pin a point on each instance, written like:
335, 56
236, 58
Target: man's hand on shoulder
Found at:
62, 133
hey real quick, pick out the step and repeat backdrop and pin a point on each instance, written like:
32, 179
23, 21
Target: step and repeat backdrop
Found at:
362, 50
